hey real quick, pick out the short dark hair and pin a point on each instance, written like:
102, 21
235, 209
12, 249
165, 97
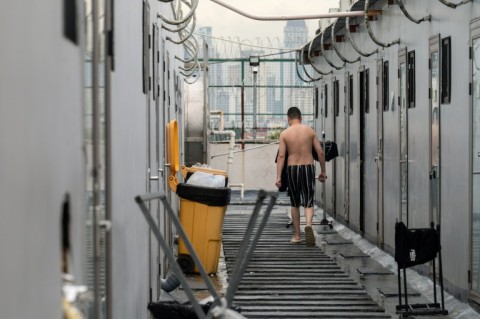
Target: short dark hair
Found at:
294, 113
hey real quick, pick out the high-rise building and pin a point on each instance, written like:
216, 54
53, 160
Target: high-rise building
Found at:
295, 35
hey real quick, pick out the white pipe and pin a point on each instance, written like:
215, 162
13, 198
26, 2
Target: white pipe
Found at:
242, 188
242, 151
230, 147
300, 17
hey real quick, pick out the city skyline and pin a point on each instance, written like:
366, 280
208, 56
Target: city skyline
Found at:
230, 25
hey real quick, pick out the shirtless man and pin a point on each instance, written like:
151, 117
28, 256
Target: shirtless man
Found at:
297, 140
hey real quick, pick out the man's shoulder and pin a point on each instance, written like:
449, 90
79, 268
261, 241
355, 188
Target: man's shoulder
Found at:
308, 129
285, 131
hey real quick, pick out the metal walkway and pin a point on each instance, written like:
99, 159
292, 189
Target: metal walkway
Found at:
285, 280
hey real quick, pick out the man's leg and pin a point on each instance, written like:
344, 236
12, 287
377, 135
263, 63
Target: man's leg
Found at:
308, 216
296, 222
309, 235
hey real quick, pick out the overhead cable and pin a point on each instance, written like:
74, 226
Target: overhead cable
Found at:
183, 37
181, 21
285, 18
183, 25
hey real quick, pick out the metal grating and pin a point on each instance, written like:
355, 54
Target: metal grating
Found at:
285, 280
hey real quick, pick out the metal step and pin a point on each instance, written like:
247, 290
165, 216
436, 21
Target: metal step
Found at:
285, 280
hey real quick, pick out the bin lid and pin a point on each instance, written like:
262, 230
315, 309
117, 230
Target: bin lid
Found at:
210, 196
173, 153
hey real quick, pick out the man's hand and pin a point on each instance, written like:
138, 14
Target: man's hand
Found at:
322, 177
279, 182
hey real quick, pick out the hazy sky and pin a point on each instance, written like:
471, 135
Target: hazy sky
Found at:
226, 23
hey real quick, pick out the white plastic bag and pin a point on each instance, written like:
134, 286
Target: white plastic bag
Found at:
206, 179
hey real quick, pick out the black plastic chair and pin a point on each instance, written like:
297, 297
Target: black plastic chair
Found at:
414, 247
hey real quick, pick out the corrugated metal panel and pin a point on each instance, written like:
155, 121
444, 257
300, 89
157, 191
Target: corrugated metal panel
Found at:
285, 280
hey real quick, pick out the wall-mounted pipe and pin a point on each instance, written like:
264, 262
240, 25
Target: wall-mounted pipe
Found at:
191, 66
354, 45
231, 146
325, 55
181, 21
304, 70
299, 17
184, 25
187, 76
310, 58
190, 51
183, 35
409, 16
370, 32
241, 186
334, 44
454, 5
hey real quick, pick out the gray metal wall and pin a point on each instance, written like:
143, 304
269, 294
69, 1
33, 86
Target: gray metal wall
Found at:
41, 139
43, 156
455, 134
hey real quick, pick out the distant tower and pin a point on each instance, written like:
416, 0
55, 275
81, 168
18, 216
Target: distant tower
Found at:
295, 35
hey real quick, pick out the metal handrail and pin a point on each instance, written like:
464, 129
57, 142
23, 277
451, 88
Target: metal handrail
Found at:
163, 243
221, 306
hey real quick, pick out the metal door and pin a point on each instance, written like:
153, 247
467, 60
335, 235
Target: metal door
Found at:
434, 94
164, 167
348, 110
154, 168
97, 145
382, 76
403, 135
364, 87
475, 163
334, 138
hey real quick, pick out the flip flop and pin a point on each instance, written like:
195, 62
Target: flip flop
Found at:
295, 241
309, 236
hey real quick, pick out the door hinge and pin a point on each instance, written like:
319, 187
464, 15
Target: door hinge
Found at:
470, 88
469, 276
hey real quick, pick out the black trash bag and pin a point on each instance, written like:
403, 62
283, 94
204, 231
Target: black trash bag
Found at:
211, 196
175, 310
331, 151
415, 246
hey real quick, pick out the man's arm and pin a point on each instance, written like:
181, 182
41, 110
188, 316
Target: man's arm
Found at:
282, 148
321, 158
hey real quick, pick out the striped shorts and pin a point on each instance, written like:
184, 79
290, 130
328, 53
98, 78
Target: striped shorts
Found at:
301, 185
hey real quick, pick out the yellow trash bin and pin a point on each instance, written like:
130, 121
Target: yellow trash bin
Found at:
202, 211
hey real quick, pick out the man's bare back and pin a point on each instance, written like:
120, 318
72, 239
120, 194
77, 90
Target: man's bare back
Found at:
299, 140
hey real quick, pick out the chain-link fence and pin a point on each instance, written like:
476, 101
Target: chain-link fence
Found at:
253, 100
